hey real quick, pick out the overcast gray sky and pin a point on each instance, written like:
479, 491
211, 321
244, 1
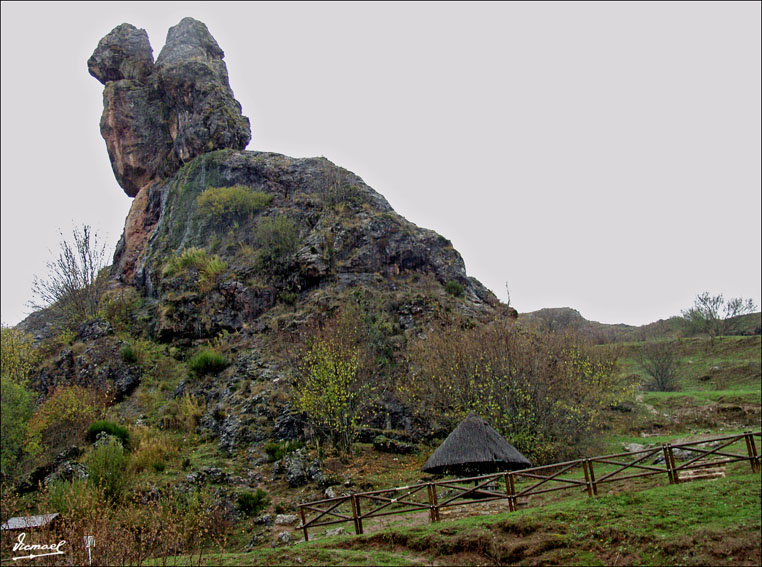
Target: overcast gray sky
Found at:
601, 156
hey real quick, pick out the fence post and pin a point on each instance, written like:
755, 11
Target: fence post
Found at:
587, 478
436, 501
431, 502
668, 463
511, 489
592, 477
675, 472
359, 515
304, 524
354, 513
751, 447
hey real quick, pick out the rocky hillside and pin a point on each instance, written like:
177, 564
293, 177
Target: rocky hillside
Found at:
241, 250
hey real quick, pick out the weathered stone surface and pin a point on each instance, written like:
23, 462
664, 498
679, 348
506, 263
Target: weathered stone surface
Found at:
125, 53
286, 520
156, 117
386, 445
193, 80
133, 124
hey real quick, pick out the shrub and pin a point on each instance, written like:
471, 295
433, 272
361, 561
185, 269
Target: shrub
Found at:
454, 288
106, 465
208, 266
190, 410
17, 358
72, 497
119, 307
661, 362
276, 450
276, 238
108, 427
17, 355
547, 394
216, 203
63, 418
251, 503
76, 281
129, 355
151, 447
207, 361
15, 411
330, 391
183, 414
288, 297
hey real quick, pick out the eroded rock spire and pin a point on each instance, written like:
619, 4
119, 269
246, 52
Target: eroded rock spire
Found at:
157, 116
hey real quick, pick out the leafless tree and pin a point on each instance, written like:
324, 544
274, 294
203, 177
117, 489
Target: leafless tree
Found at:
75, 282
661, 362
712, 315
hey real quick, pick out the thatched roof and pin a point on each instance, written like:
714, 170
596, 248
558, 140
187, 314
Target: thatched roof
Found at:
474, 447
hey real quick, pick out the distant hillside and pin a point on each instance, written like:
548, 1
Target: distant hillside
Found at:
558, 319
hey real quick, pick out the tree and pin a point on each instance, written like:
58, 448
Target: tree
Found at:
335, 378
17, 358
660, 361
62, 419
712, 315
329, 392
546, 392
75, 283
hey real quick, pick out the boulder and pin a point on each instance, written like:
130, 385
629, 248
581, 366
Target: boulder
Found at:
286, 520
125, 53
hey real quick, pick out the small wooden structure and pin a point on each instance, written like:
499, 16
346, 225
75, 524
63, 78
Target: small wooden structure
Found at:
28, 522
474, 447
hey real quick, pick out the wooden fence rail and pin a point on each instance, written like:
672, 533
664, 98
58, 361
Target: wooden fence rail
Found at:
524, 483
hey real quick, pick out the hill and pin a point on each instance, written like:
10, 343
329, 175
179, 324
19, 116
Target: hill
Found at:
180, 406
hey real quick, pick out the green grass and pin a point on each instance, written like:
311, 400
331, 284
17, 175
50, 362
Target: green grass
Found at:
703, 397
731, 363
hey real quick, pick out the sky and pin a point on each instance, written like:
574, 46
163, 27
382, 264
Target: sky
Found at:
599, 156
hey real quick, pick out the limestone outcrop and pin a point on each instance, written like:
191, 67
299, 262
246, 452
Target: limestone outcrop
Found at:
158, 116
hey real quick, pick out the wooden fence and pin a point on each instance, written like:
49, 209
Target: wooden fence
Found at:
517, 486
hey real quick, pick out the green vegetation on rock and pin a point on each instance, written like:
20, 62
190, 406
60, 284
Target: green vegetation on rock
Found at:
236, 201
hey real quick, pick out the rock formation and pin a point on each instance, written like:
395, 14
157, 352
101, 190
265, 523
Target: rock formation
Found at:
175, 137
158, 116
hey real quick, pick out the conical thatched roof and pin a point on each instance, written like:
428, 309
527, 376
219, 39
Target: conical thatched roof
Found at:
474, 447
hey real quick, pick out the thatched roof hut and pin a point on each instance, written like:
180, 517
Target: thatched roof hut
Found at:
474, 447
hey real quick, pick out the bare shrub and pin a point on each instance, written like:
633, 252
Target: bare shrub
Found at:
661, 363
76, 282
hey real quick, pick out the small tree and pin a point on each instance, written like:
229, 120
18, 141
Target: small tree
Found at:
329, 392
75, 285
712, 315
660, 361
336, 377
17, 360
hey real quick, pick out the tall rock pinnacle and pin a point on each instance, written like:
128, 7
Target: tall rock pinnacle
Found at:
157, 116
